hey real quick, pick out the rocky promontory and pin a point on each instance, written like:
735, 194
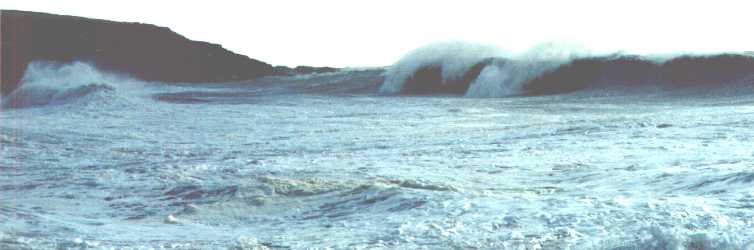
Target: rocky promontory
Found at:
141, 50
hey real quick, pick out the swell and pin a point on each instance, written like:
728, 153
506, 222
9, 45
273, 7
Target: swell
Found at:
428, 80
499, 76
438, 68
710, 71
344, 82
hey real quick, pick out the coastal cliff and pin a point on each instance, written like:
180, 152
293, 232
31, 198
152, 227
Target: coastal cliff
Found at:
141, 50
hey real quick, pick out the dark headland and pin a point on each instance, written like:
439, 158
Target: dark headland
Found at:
144, 51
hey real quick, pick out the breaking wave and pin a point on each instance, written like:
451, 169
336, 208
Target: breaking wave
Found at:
440, 67
481, 71
49, 83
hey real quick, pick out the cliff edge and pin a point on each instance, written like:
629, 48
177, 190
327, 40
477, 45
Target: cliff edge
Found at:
141, 50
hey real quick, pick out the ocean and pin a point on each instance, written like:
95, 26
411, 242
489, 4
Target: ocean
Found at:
605, 152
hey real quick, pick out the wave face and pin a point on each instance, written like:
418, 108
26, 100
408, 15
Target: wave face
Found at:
707, 71
438, 68
474, 71
49, 83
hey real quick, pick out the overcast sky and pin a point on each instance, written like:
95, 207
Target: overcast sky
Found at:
375, 33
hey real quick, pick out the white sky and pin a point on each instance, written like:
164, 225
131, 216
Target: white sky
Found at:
376, 33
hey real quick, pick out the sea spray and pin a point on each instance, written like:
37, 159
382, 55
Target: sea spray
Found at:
52, 83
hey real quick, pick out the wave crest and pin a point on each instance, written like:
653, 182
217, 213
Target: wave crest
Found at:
442, 67
478, 71
48, 83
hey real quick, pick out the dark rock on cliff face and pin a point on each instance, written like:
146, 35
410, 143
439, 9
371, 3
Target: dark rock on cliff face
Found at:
144, 51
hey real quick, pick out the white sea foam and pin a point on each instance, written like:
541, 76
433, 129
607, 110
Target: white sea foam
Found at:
501, 77
454, 59
511, 74
49, 83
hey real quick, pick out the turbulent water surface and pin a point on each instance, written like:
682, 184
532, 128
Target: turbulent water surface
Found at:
96, 160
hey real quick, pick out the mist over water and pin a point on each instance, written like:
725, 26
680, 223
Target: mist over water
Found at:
575, 151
